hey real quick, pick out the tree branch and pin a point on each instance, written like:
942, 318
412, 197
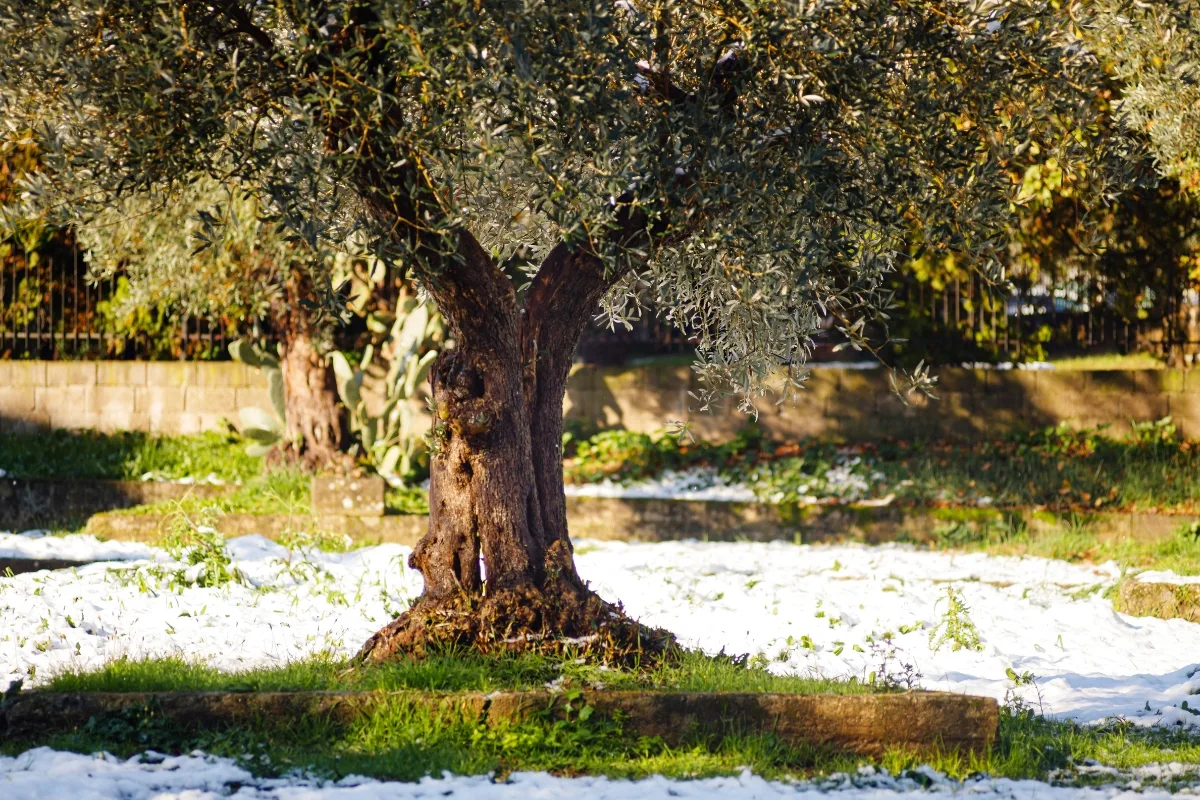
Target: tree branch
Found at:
244, 23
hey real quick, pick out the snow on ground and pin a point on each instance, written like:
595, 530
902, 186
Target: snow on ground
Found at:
849, 480
74, 547
808, 609
198, 777
1166, 576
700, 483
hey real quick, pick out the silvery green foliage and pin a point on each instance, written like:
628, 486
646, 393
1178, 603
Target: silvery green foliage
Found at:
198, 246
775, 155
265, 429
389, 438
1155, 51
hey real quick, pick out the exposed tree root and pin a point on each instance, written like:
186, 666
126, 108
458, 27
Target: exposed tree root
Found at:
555, 620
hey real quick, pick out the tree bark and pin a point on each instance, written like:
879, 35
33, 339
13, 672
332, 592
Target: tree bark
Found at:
316, 432
497, 559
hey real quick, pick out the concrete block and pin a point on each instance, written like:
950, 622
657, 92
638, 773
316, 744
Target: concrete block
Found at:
1021, 381
113, 419
1185, 412
971, 381
1113, 380
27, 373
184, 423
667, 378
211, 400
1144, 407
121, 373
158, 400
220, 374
170, 373
854, 381
357, 497
61, 402
113, 401
247, 396
17, 400
29, 422
71, 373
1168, 380
802, 419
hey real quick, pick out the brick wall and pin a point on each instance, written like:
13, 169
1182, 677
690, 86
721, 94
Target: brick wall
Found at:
179, 397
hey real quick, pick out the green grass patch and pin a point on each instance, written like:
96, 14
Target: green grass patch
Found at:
692, 671
1073, 538
403, 740
281, 491
125, 456
1056, 468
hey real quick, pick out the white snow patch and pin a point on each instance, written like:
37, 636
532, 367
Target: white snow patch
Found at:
701, 483
210, 479
153, 776
802, 609
1166, 576
73, 547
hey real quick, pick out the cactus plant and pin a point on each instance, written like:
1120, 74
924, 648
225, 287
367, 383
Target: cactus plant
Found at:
266, 430
388, 439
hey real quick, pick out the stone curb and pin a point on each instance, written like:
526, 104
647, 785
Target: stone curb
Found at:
652, 520
45, 502
865, 724
1162, 600
19, 566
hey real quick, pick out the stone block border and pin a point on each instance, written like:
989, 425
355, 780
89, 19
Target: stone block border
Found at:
1162, 600
46, 502
18, 566
867, 724
612, 519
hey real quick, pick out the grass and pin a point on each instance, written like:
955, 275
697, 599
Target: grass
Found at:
401, 740
1055, 468
1073, 539
125, 456
693, 671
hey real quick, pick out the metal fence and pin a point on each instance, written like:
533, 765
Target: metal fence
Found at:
49, 309
969, 320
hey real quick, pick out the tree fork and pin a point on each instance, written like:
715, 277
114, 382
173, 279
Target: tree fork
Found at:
496, 471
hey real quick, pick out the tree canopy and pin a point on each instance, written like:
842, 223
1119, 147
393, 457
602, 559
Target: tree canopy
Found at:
1154, 49
753, 166
753, 163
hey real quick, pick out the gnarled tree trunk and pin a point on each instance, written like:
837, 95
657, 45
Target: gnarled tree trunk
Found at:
316, 432
497, 559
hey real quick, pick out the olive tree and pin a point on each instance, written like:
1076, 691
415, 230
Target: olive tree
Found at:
754, 165
1155, 53
202, 249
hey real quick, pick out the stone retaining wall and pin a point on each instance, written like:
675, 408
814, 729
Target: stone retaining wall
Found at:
184, 397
